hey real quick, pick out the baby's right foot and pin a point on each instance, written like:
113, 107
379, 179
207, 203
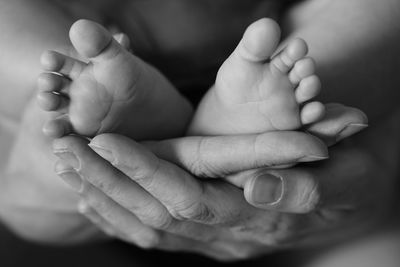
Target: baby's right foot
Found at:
114, 91
256, 91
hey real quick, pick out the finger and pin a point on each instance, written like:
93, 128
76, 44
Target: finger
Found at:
291, 190
337, 184
184, 196
339, 123
121, 190
96, 219
93, 169
222, 155
106, 214
163, 240
117, 221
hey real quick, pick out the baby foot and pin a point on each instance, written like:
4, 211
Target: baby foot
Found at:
258, 92
114, 91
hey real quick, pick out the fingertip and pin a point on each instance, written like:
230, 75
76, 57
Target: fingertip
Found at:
55, 129
264, 190
338, 123
292, 191
311, 147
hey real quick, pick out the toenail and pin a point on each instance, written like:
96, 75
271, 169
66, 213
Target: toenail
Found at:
104, 153
69, 157
350, 129
72, 178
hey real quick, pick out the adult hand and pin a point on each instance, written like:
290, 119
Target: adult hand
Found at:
150, 202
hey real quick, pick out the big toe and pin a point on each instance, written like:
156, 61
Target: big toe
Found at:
260, 40
90, 39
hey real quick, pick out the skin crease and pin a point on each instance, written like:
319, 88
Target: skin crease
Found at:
11, 215
341, 214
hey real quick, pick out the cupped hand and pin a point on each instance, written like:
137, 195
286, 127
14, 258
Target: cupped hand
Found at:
139, 196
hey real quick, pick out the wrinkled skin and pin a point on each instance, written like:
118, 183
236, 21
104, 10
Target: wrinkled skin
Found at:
149, 201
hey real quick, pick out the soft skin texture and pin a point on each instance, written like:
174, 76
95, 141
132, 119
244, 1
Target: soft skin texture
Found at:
24, 194
115, 91
374, 32
257, 92
168, 208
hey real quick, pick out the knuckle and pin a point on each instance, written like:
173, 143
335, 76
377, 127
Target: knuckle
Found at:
310, 195
149, 241
112, 187
145, 174
153, 215
100, 206
199, 165
196, 211
162, 222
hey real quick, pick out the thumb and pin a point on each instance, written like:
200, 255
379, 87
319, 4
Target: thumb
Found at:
218, 156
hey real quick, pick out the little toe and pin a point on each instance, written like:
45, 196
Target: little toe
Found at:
312, 112
308, 88
65, 65
303, 68
93, 41
58, 127
295, 50
259, 41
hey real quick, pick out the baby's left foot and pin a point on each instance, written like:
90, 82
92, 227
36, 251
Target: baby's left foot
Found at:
256, 91
113, 92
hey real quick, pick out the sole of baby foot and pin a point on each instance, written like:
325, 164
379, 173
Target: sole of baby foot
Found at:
113, 91
256, 93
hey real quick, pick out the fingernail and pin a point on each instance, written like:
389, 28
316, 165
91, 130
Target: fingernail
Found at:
72, 178
103, 152
350, 129
268, 189
310, 158
69, 157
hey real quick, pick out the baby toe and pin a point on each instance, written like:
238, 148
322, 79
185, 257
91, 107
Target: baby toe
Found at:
259, 40
65, 65
303, 68
294, 51
51, 82
308, 88
52, 88
48, 101
58, 127
312, 112
93, 41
